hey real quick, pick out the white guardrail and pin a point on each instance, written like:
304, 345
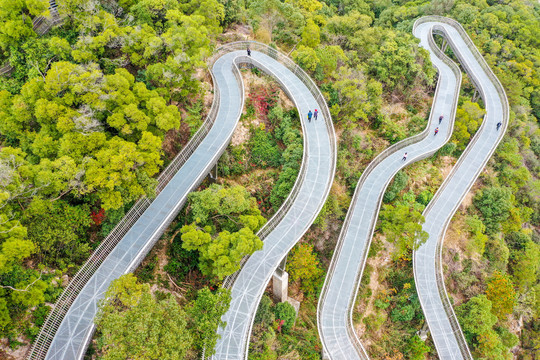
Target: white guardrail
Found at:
55, 317
506, 113
369, 169
291, 65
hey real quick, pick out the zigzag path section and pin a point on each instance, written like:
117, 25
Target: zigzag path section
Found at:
341, 285
317, 173
443, 325
69, 328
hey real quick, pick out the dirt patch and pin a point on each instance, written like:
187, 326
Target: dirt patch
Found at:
236, 32
241, 135
6, 353
175, 140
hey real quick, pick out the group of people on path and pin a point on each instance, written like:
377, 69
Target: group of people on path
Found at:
314, 115
499, 124
436, 132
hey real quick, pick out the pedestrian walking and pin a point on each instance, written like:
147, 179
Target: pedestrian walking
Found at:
440, 119
315, 114
309, 115
249, 51
404, 157
436, 131
499, 125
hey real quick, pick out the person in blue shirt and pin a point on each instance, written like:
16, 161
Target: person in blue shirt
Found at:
309, 114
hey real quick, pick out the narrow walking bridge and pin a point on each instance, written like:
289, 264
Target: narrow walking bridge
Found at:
428, 272
341, 285
309, 193
69, 327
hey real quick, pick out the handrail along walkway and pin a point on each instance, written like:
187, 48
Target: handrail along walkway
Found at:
262, 264
54, 320
503, 101
352, 337
51, 324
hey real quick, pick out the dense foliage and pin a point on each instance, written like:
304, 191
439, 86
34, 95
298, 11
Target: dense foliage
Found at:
84, 115
87, 108
225, 221
135, 323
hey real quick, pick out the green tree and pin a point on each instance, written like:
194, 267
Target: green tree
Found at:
220, 256
205, 317
500, 291
524, 265
475, 317
417, 349
59, 230
91, 133
402, 225
494, 204
311, 35
477, 229
359, 97
286, 312
400, 64
303, 265
131, 323
469, 116
16, 20
235, 212
267, 14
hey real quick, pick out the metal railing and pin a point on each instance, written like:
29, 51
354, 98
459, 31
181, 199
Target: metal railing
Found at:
365, 174
54, 319
291, 65
314, 90
41, 344
41, 25
465, 351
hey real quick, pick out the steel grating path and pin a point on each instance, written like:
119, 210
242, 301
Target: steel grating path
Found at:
318, 172
443, 325
66, 335
341, 285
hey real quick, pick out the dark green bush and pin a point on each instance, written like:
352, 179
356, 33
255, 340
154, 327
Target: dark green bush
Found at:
285, 311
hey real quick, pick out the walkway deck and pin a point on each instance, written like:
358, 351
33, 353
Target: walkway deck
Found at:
341, 286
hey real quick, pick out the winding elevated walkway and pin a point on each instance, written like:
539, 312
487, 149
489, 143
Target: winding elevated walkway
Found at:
309, 193
428, 272
69, 328
339, 292
341, 285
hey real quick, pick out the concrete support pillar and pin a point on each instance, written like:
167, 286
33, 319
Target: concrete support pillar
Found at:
444, 46
280, 285
213, 174
423, 332
475, 96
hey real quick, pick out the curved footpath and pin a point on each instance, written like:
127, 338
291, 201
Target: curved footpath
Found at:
339, 292
318, 173
341, 286
67, 332
443, 325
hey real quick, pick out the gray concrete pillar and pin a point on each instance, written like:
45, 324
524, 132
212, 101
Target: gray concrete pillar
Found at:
213, 174
475, 96
280, 285
444, 45
423, 332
